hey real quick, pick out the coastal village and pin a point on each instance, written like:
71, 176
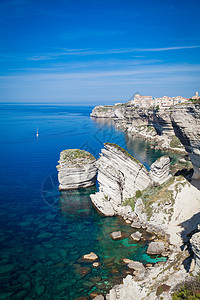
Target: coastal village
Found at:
163, 102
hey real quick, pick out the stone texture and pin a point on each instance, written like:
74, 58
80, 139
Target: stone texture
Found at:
99, 297
76, 169
139, 269
186, 124
159, 171
195, 243
119, 177
116, 235
156, 248
136, 236
127, 260
96, 264
91, 256
136, 223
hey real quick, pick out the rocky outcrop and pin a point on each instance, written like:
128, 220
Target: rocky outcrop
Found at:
176, 128
195, 243
186, 124
116, 235
90, 257
159, 171
153, 125
76, 169
172, 207
121, 179
156, 248
108, 111
129, 290
136, 236
139, 269
154, 199
119, 176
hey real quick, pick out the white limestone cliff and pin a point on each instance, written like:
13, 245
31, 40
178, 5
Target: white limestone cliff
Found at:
195, 243
186, 124
119, 176
76, 169
159, 171
176, 128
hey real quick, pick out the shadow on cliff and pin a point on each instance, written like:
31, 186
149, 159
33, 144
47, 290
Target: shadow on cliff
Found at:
189, 228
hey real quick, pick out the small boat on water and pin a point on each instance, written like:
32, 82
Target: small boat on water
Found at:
37, 133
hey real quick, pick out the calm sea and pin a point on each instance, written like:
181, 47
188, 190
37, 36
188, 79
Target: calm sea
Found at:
43, 232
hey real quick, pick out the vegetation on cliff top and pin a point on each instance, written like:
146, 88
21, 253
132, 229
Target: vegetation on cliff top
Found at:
74, 156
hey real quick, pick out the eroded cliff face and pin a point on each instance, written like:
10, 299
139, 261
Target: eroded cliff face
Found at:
154, 200
119, 177
186, 124
195, 243
76, 169
166, 127
157, 199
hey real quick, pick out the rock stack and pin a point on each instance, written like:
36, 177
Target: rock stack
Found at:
195, 242
119, 175
76, 169
160, 170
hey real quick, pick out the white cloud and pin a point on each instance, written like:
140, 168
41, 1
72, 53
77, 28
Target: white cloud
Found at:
80, 52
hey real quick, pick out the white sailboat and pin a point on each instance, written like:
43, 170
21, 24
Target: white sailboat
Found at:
37, 133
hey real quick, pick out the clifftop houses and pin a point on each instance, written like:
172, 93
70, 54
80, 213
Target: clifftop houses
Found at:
149, 101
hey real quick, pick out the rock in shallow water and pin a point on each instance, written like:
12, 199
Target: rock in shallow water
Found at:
156, 248
91, 256
99, 297
136, 236
76, 169
116, 235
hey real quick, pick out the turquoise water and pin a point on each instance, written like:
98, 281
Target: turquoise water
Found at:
43, 232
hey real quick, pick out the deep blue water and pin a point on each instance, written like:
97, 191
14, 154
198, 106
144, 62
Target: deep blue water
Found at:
43, 232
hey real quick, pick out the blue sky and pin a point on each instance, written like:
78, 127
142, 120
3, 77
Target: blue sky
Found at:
98, 51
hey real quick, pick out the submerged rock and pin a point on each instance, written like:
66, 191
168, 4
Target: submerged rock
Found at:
96, 264
156, 248
99, 297
136, 236
91, 256
76, 169
127, 260
116, 235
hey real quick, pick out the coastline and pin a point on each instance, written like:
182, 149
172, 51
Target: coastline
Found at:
176, 238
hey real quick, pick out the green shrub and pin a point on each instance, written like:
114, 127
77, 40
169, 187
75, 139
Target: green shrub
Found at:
189, 290
175, 142
130, 202
138, 194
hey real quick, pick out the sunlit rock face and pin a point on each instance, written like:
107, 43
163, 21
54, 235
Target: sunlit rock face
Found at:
195, 242
186, 123
76, 169
159, 171
119, 177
